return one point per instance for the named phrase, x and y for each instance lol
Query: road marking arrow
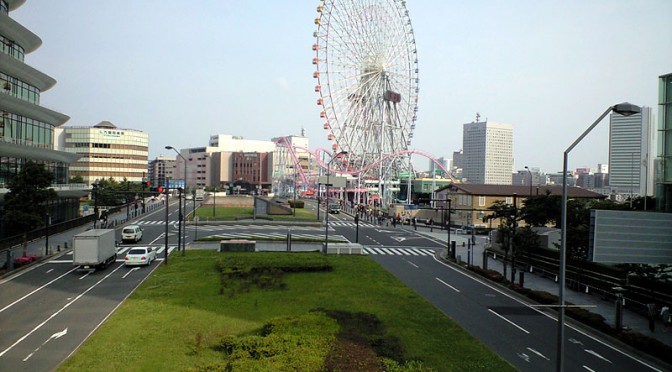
(53, 337)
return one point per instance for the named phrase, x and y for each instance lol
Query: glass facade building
(26, 128)
(664, 163)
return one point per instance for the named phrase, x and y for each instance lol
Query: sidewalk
(62, 241)
(607, 308)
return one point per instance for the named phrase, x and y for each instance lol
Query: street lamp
(94, 185)
(294, 187)
(625, 109)
(185, 193)
(326, 209)
(530, 173)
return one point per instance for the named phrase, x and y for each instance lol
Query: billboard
(630, 237)
(335, 181)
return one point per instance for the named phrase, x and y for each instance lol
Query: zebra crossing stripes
(155, 223)
(350, 224)
(389, 251)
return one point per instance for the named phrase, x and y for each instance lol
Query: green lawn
(193, 314)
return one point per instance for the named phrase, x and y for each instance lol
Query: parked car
(140, 256)
(131, 233)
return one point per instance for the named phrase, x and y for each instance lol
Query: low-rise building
(470, 202)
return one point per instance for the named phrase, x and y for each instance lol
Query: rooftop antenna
(478, 116)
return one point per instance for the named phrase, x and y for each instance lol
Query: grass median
(278, 311)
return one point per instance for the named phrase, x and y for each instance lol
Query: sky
(183, 70)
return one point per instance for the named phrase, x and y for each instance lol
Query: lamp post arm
(571, 147)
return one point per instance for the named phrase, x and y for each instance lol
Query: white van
(131, 233)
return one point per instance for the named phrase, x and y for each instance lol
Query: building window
(481, 201)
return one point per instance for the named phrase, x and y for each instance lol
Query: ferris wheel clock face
(366, 73)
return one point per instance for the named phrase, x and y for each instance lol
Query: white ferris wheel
(366, 69)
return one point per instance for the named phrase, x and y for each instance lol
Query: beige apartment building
(106, 152)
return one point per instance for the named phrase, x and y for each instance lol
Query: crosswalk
(156, 223)
(380, 250)
(351, 224)
(396, 251)
(263, 227)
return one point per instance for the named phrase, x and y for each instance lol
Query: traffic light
(160, 189)
(147, 184)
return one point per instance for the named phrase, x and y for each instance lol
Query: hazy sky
(183, 70)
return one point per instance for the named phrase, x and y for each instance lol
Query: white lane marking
(58, 312)
(412, 264)
(586, 368)
(35, 290)
(538, 353)
(642, 362)
(448, 285)
(524, 357)
(598, 355)
(48, 271)
(510, 322)
(85, 275)
(129, 272)
(575, 341)
(53, 337)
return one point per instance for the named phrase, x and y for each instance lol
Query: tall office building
(161, 169)
(664, 161)
(487, 153)
(631, 153)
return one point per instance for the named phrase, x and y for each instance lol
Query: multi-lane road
(48, 311)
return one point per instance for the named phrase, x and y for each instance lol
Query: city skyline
(548, 70)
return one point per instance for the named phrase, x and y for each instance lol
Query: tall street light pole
(625, 109)
(165, 239)
(294, 187)
(530, 173)
(326, 209)
(181, 217)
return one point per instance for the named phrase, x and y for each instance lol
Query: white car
(131, 233)
(140, 256)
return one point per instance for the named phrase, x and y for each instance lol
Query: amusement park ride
(366, 73)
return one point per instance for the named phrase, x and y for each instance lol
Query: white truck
(200, 194)
(94, 249)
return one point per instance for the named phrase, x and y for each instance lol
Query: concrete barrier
(345, 248)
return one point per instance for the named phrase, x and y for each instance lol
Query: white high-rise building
(487, 153)
(631, 153)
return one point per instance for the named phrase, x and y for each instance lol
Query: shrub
(299, 204)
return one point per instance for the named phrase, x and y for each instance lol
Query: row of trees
(545, 210)
(27, 202)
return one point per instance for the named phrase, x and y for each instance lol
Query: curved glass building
(26, 128)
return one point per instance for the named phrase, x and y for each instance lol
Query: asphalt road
(47, 312)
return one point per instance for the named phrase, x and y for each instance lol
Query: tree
(26, 202)
(527, 239)
(508, 217)
(541, 210)
(76, 179)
